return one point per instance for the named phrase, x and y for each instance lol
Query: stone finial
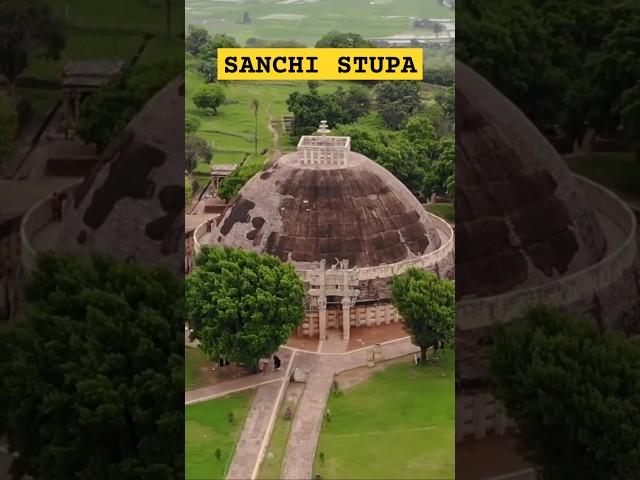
(324, 128)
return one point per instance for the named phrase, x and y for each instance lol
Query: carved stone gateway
(338, 281)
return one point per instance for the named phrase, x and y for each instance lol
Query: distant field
(207, 428)
(442, 210)
(232, 128)
(308, 20)
(398, 424)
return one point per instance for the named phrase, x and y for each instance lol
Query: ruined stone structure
(529, 232)
(132, 204)
(325, 205)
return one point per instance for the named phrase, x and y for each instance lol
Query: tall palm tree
(255, 106)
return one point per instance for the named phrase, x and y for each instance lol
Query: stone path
(255, 430)
(243, 383)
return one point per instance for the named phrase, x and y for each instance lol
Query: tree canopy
(196, 149)
(196, 39)
(232, 184)
(92, 377)
(397, 101)
(27, 26)
(106, 114)
(335, 39)
(209, 98)
(574, 393)
(427, 306)
(242, 305)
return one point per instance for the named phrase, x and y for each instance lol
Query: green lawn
(446, 211)
(232, 128)
(307, 21)
(207, 428)
(161, 48)
(398, 424)
(618, 171)
(271, 468)
(194, 359)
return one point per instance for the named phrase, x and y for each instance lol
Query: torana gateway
(345, 223)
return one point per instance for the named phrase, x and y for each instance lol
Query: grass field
(307, 21)
(442, 210)
(397, 424)
(232, 129)
(207, 428)
(194, 359)
(618, 171)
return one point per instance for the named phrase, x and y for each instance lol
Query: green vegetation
(574, 393)
(271, 467)
(618, 171)
(194, 360)
(406, 433)
(87, 352)
(242, 305)
(442, 210)
(207, 428)
(427, 306)
(307, 22)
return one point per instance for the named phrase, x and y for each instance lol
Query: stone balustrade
(484, 312)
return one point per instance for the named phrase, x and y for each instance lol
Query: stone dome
(521, 220)
(132, 205)
(351, 208)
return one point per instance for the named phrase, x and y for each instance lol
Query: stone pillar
(346, 318)
(322, 318)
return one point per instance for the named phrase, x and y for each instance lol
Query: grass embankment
(207, 428)
(398, 424)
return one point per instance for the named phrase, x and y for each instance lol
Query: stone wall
(382, 313)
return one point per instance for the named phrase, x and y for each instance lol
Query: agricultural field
(397, 424)
(207, 428)
(306, 21)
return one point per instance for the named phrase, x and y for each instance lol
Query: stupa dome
(325, 202)
(521, 218)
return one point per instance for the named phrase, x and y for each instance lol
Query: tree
(242, 305)
(92, 377)
(196, 39)
(196, 149)
(191, 124)
(232, 184)
(8, 120)
(310, 108)
(427, 306)
(255, 106)
(208, 67)
(220, 40)
(209, 98)
(355, 102)
(437, 29)
(27, 26)
(574, 393)
(397, 101)
(105, 114)
(335, 39)
(246, 18)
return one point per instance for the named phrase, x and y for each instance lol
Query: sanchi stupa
(345, 223)
(528, 232)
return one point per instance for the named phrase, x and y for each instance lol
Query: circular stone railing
(383, 271)
(486, 311)
(37, 219)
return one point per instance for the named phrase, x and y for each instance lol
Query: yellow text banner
(320, 64)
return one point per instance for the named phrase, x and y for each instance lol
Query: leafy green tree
(232, 184)
(196, 149)
(440, 171)
(310, 108)
(208, 67)
(196, 38)
(209, 98)
(355, 102)
(8, 121)
(27, 26)
(427, 306)
(574, 393)
(397, 101)
(106, 114)
(191, 124)
(243, 305)
(92, 377)
(220, 40)
(335, 39)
